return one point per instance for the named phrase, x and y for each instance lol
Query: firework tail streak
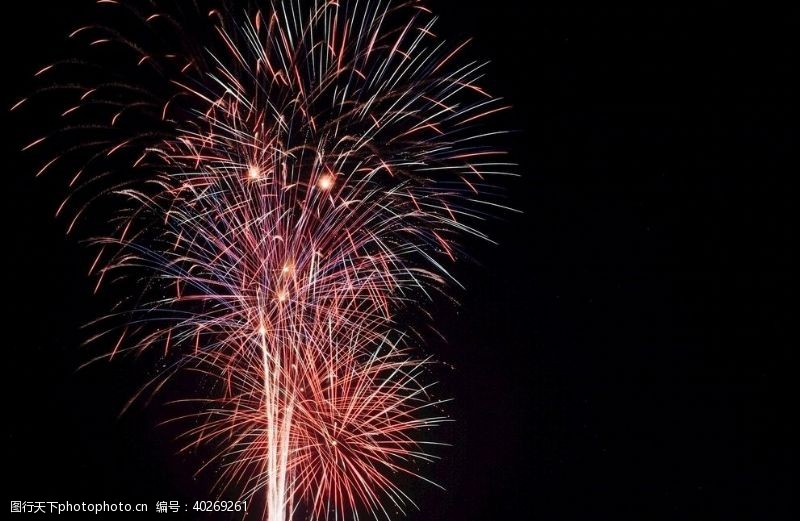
(287, 180)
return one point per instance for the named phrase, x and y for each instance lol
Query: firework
(286, 181)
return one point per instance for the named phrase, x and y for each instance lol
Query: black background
(622, 354)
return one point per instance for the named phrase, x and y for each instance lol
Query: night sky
(623, 352)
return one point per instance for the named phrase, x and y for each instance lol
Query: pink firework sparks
(287, 181)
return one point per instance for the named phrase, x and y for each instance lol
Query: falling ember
(287, 183)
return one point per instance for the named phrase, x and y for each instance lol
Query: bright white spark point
(326, 182)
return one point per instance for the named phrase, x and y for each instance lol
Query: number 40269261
(220, 506)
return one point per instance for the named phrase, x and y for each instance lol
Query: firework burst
(284, 181)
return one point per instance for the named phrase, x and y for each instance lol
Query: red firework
(290, 186)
